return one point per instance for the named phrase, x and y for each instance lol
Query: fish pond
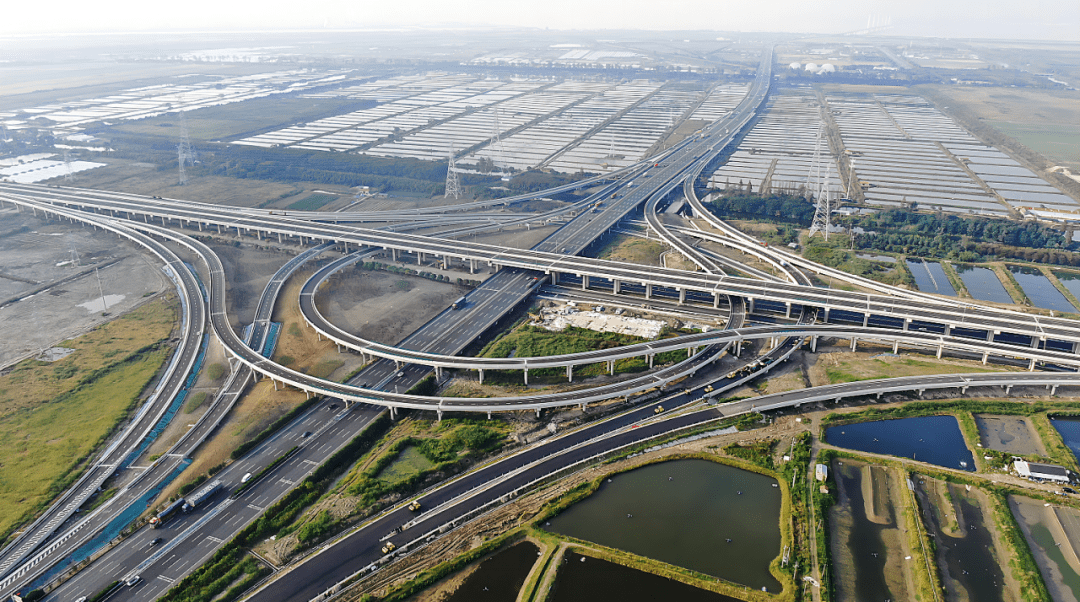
(930, 277)
(1040, 290)
(585, 579)
(704, 516)
(499, 577)
(933, 439)
(983, 284)
(1069, 427)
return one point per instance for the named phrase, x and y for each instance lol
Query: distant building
(821, 472)
(1044, 472)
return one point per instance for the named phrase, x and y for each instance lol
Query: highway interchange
(800, 312)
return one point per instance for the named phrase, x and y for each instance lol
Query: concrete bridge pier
(1053, 390)
(826, 318)
(526, 371)
(1008, 389)
(921, 391)
(438, 373)
(481, 371)
(570, 374)
(907, 324)
(489, 414)
(275, 384)
(616, 287)
(948, 329)
(439, 413)
(738, 348)
(584, 406)
(584, 282)
(611, 367)
(1035, 342)
(895, 347)
(393, 413)
(472, 266)
(813, 344)
(749, 305)
(854, 343)
(393, 254)
(985, 356)
(419, 258)
(865, 320)
(990, 336)
(1031, 365)
(963, 390)
(648, 291)
(939, 350)
(787, 308)
(278, 234)
(651, 356)
(537, 412)
(879, 395)
(716, 300)
(554, 278)
(682, 296)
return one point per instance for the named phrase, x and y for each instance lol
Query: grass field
(846, 370)
(633, 250)
(312, 202)
(407, 463)
(1060, 143)
(53, 415)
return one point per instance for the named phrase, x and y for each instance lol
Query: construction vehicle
(414, 506)
(658, 409)
(389, 547)
(708, 388)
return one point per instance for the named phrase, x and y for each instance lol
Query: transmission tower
(813, 177)
(184, 151)
(496, 142)
(453, 186)
(823, 208)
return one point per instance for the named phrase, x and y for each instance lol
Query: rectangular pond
(1070, 280)
(586, 579)
(933, 439)
(1040, 290)
(1051, 534)
(966, 553)
(696, 514)
(930, 277)
(1069, 428)
(982, 283)
(499, 577)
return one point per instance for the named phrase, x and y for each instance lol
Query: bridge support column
(749, 305)
(555, 278)
(611, 367)
(990, 335)
(419, 258)
(1034, 342)
(963, 390)
(985, 357)
(826, 318)
(651, 356)
(716, 300)
(787, 309)
(895, 347)
(526, 376)
(921, 391)
(584, 406)
(907, 324)
(145, 219)
(1031, 365)
(948, 330)
(584, 282)
(393, 254)
(275, 383)
(481, 371)
(615, 286)
(1008, 389)
(472, 266)
(813, 344)
(537, 412)
(682, 296)
(338, 346)
(648, 291)
(439, 413)
(865, 320)
(879, 395)
(278, 235)
(569, 373)
(259, 234)
(393, 413)
(1053, 390)
(738, 348)
(307, 394)
(438, 373)
(854, 343)
(489, 414)
(939, 349)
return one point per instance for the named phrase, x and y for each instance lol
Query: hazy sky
(1031, 19)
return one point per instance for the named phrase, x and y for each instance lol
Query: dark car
(306, 434)
(1068, 490)
(155, 541)
(333, 406)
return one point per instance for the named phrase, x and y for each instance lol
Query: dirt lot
(248, 270)
(34, 255)
(382, 306)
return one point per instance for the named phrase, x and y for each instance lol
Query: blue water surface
(933, 439)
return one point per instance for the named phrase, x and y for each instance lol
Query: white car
(132, 580)
(245, 478)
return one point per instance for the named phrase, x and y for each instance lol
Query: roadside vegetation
(54, 416)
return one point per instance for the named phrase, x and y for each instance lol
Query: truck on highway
(458, 304)
(200, 496)
(167, 513)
